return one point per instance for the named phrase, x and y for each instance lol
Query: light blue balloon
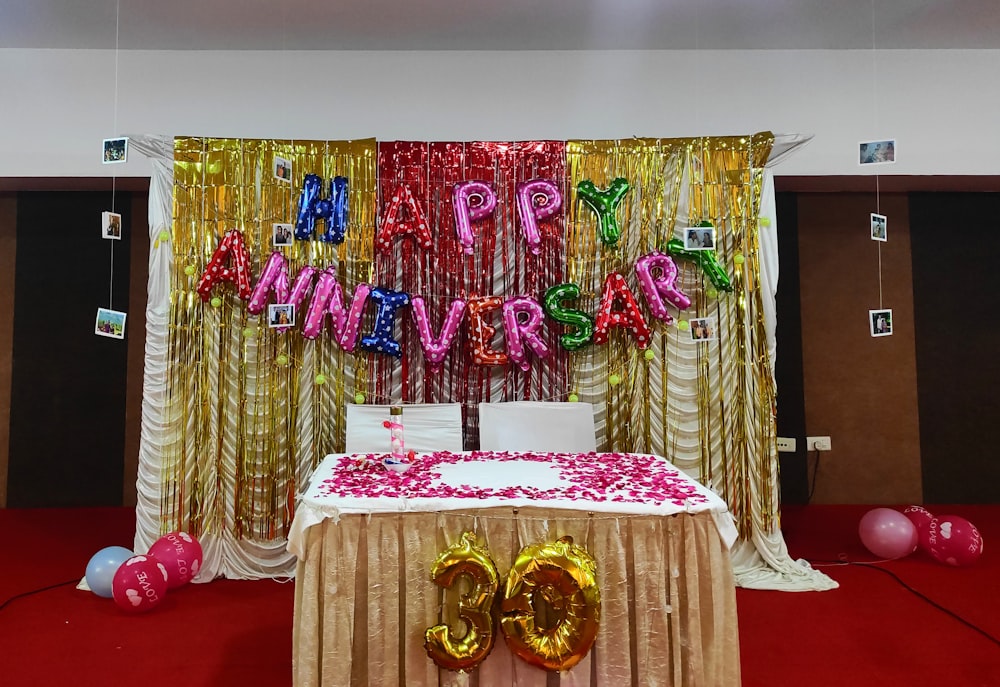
(102, 568)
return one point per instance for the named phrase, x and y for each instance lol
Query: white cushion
(537, 426)
(426, 427)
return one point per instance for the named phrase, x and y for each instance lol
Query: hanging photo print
(282, 170)
(703, 329)
(879, 228)
(115, 150)
(111, 225)
(877, 152)
(282, 315)
(110, 323)
(281, 235)
(880, 322)
(699, 238)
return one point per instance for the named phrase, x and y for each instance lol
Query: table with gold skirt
(364, 595)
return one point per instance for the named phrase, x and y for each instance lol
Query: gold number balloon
(552, 606)
(476, 606)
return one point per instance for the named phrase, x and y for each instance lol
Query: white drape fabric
(225, 555)
(426, 427)
(537, 426)
(761, 561)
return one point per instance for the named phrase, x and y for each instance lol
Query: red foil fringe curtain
(500, 265)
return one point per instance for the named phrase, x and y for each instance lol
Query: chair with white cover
(537, 426)
(426, 427)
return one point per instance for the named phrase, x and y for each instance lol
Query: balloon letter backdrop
(500, 271)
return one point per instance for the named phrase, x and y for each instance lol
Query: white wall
(941, 106)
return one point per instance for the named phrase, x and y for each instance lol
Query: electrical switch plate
(818, 443)
(786, 445)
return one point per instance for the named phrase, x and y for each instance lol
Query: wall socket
(786, 445)
(818, 443)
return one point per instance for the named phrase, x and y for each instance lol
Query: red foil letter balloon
(619, 309)
(481, 331)
(217, 270)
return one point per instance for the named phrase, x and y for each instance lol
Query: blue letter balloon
(102, 568)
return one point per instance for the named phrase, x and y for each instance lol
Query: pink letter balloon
(140, 584)
(466, 213)
(181, 556)
(887, 533)
(952, 540)
(536, 200)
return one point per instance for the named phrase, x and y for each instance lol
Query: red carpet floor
(871, 631)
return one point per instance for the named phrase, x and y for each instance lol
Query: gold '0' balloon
(476, 607)
(552, 606)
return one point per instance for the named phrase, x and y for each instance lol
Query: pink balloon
(550, 200)
(952, 540)
(140, 584)
(328, 299)
(436, 348)
(662, 286)
(466, 214)
(181, 556)
(523, 332)
(273, 277)
(919, 516)
(887, 533)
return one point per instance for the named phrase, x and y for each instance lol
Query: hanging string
(878, 203)
(114, 178)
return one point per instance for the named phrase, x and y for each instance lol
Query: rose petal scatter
(605, 477)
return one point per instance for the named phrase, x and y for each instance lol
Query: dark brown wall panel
(139, 280)
(67, 414)
(859, 390)
(956, 244)
(8, 250)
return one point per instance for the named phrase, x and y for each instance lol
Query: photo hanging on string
(110, 323)
(281, 234)
(115, 151)
(111, 226)
(879, 227)
(880, 322)
(281, 315)
(282, 169)
(699, 238)
(877, 152)
(703, 329)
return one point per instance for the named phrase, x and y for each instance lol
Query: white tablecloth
(444, 481)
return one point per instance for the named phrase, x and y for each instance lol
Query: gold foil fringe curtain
(253, 420)
(254, 410)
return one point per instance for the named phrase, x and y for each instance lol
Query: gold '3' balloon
(552, 604)
(476, 606)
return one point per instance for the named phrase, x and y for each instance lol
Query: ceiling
(500, 24)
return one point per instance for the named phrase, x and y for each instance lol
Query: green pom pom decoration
(573, 398)
(164, 236)
(216, 302)
(281, 359)
(711, 293)
(614, 380)
(684, 325)
(738, 259)
(359, 398)
(189, 270)
(248, 332)
(649, 355)
(321, 379)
